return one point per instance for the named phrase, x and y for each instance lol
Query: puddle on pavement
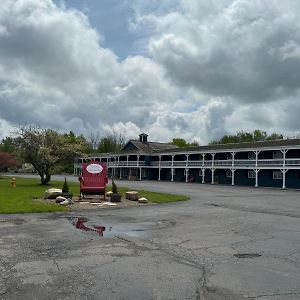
(246, 255)
(133, 230)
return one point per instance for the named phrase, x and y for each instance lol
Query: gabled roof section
(149, 147)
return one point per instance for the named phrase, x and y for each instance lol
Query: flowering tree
(7, 160)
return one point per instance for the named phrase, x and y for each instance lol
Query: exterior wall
(244, 161)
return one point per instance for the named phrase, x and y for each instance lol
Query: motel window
(228, 173)
(251, 174)
(277, 175)
(277, 154)
(134, 172)
(125, 172)
(251, 155)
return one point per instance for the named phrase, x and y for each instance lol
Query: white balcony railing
(289, 162)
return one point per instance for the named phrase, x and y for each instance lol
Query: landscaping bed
(27, 196)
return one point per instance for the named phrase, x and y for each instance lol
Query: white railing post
(127, 160)
(203, 158)
(137, 160)
(173, 161)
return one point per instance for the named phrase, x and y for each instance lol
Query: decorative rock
(132, 195)
(143, 200)
(52, 193)
(65, 203)
(108, 194)
(60, 199)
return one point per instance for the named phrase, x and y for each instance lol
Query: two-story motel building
(269, 163)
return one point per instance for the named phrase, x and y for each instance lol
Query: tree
(44, 149)
(183, 143)
(7, 160)
(7, 145)
(241, 137)
(111, 143)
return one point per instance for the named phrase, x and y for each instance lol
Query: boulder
(52, 193)
(65, 203)
(60, 199)
(132, 195)
(143, 200)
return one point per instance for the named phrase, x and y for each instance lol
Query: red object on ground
(94, 179)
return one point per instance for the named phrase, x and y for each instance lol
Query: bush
(65, 188)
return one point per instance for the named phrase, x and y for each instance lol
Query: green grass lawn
(23, 198)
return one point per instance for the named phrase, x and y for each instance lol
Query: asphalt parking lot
(225, 243)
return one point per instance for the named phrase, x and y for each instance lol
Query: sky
(194, 69)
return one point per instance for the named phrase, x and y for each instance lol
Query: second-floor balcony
(238, 163)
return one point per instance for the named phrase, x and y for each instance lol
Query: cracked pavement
(179, 250)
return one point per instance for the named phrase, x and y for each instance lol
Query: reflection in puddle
(134, 230)
(78, 222)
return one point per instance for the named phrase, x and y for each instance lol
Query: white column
(203, 158)
(212, 176)
(232, 176)
(137, 160)
(213, 159)
(203, 175)
(256, 177)
(159, 161)
(256, 157)
(283, 177)
(120, 173)
(172, 174)
(284, 151)
(173, 160)
(232, 158)
(186, 174)
(140, 173)
(127, 159)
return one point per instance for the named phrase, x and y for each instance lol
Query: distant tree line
(242, 136)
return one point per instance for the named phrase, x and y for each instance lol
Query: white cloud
(209, 66)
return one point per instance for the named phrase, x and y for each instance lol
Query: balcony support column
(213, 159)
(232, 158)
(232, 176)
(256, 176)
(212, 175)
(256, 152)
(187, 175)
(203, 159)
(140, 173)
(137, 160)
(283, 177)
(127, 160)
(172, 174)
(284, 151)
(203, 175)
(159, 162)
